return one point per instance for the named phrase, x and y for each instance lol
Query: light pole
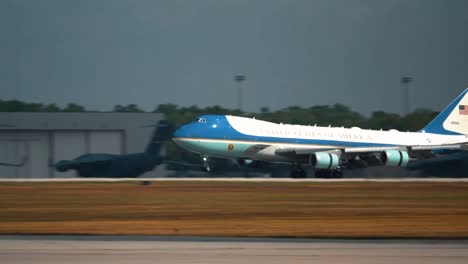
(239, 79)
(405, 82)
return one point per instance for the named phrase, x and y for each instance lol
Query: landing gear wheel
(298, 172)
(337, 174)
(319, 174)
(302, 174)
(323, 174)
(328, 174)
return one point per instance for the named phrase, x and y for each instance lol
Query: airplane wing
(361, 157)
(20, 164)
(358, 150)
(447, 165)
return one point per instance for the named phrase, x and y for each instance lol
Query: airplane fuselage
(240, 137)
(116, 166)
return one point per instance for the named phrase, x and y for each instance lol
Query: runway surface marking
(17, 250)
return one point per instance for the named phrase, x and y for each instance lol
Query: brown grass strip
(344, 209)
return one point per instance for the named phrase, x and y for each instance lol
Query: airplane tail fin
(162, 133)
(453, 120)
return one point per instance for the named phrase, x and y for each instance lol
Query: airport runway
(177, 250)
(234, 179)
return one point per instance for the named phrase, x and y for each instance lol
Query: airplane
(121, 166)
(329, 150)
(453, 164)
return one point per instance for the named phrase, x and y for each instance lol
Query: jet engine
(395, 158)
(324, 160)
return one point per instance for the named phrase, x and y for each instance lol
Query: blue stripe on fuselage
(218, 127)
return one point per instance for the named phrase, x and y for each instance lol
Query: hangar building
(30, 143)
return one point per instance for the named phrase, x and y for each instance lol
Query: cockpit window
(200, 120)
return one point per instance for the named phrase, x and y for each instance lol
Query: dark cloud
(102, 53)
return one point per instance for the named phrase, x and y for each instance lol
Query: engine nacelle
(325, 160)
(395, 158)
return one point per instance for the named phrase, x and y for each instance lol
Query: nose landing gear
(206, 165)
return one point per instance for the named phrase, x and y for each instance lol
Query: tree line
(322, 115)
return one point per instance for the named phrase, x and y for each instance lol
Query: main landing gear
(298, 172)
(329, 174)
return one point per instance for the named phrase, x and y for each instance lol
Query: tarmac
(179, 250)
(237, 179)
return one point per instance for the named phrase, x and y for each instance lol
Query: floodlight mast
(405, 82)
(239, 79)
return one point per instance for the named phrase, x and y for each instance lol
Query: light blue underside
(229, 149)
(223, 149)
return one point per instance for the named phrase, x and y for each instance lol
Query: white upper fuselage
(339, 135)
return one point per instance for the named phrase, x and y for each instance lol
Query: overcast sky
(99, 53)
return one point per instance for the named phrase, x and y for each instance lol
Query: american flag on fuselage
(463, 109)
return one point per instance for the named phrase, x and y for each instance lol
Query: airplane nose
(182, 138)
(63, 165)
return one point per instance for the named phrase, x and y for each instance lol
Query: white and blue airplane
(328, 150)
